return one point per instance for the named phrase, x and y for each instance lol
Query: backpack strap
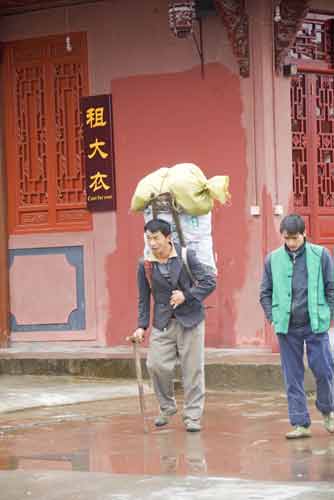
(184, 255)
(148, 268)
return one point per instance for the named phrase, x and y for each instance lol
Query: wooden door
(312, 109)
(43, 83)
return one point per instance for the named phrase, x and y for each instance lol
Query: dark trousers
(321, 363)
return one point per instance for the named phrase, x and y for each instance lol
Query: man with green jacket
(297, 296)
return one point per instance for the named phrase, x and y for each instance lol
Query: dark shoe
(192, 425)
(161, 420)
(299, 432)
(164, 417)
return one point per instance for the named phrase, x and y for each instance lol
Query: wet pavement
(80, 486)
(97, 449)
(243, 437)
(31, 391)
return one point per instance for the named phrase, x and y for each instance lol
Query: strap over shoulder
(184, 255)
(148, 268)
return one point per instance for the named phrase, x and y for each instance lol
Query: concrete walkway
(37, 350)
(30, 391)
(243, 435)
(81, 486)
(93, 446)
(79, 435)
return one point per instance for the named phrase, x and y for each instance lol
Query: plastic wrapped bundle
(196, 230)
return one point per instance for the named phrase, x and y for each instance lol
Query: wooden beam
(12, 7)
(293, 13)
(235, 19)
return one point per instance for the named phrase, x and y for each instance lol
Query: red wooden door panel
(312, 109)
(45, 168)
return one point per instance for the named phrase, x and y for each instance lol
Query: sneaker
(163, 418)
(192, 425)
(299, 432)
(329, 422)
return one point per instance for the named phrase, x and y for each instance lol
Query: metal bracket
(199, 45)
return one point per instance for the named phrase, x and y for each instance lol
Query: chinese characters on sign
(96, 113)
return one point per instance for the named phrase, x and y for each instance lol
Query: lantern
(181, 17)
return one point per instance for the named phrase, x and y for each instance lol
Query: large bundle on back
(192, 191)
(183, 196)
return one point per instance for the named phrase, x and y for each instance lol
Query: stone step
(224, 368)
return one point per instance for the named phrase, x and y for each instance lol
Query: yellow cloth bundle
(192, 191)
(148, 188)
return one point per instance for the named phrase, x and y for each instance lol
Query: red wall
(167, 119)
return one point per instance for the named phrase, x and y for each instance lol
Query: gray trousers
(166, 346)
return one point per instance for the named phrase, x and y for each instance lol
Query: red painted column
(4, 281)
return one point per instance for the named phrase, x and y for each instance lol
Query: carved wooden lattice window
(315, 41)
(44, 153)
(324, 97)
(312, 123)
(299, 142)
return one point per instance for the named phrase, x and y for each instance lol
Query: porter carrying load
(183, 197)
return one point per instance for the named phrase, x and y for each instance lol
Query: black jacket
(188, 314)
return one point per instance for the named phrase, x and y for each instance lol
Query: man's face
(158, 243)
(293, 241)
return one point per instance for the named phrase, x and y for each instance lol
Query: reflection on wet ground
(243, 437)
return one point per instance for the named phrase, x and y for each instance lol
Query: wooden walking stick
(139, 376)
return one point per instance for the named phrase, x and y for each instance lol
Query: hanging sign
(97, 125)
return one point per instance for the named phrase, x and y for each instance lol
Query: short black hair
(156, 225)
(292, 224)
